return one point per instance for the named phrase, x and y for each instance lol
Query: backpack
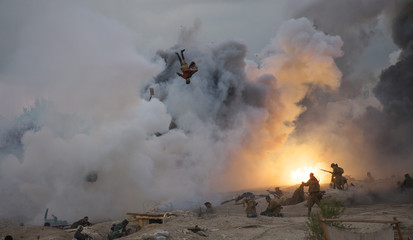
(315, 186)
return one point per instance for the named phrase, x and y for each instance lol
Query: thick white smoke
(90, 143)
(92, 119)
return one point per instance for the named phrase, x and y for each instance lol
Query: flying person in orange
(187, 72)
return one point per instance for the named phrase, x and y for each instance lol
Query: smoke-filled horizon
(79, 135)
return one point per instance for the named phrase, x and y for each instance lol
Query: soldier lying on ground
(241, 197)
(82, 222)
(277, 193)
(209, 210)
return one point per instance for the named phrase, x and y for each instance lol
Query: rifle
(227, 201)
(326, 171)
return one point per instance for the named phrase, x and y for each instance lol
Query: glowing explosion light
(302, 174)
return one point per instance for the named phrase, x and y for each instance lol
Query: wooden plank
(147, 218)
(395, 222)
(398, 229)
(360, 220)
(152, 214)
(323, 225)
(147, 214)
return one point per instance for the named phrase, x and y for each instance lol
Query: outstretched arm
(193, 66)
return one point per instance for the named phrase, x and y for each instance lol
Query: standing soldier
(407, 182)
(314, 192)
(337, 176)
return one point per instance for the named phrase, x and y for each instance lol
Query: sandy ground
(231, 222)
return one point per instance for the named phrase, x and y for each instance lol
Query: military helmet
(311, 174)
(125, 221)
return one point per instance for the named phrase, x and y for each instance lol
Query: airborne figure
(187, 72)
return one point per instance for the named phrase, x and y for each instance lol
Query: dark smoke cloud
(372, 126)
(402, 27)
(354, 21)
(391, 130)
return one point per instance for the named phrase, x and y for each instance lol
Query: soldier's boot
(182, 54)
(179, 58)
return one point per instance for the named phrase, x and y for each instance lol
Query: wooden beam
(147, 218)
(395, 222)
(147, 214)
(398, 229)
(323, 225)
(360, 220)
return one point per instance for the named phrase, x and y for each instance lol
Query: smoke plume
(79, 135)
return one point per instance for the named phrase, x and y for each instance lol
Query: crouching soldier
(119, 230)
(251, 203)
(79, 235)
(273, 208)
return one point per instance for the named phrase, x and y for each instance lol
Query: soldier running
(314, 191)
